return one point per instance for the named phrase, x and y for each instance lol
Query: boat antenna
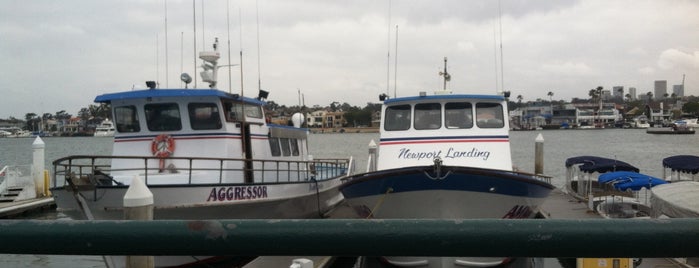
(194, 22)
(502, 65)
(166, 58)
(445, 74)
(182, 55)
(388, 50)
(228, 24)
(495, 57)
(395, 67)
(240, 31)
(257, 18)
(157, 58)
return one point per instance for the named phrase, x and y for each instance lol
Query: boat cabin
(203, 123)
(460, 130)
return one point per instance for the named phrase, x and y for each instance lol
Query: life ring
(163, 146)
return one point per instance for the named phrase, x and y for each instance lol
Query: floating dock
(13, 209)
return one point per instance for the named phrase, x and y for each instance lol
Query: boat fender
(163, 146)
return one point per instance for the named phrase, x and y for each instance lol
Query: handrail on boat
(97, 169)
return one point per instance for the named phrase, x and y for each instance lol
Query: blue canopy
(682, 163)
(591, 164)
(623, 180)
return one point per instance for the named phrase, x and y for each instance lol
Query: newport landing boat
(445, 156)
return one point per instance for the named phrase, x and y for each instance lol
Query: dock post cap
(301, 263)
(372, 144)
(138, 194)
(38, 143)
(539, 138)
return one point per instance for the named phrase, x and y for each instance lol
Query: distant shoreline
(344, 130)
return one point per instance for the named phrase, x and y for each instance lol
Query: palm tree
(649, 96)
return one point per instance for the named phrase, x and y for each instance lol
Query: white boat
(582, 174)
(445, 156)
(641, 121)
(204, 154)
(681, 168)
(679, 199)
(621, 207)
(105, 129)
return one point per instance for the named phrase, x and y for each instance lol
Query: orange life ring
(163, 146)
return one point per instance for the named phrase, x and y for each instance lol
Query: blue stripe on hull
(460, 179)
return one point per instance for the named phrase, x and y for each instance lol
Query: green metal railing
(651, 238)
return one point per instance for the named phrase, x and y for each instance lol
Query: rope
(380, 202)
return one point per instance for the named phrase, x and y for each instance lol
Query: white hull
(292, 200)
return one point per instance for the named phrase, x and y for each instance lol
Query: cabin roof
(155, 93)
(445, 97)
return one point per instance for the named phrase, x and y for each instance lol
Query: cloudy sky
(58, 55)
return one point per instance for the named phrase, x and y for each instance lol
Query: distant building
(632, 93)
(618, 92)
(660, 89)
(678, 90)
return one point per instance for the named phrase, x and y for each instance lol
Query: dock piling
(138, 205)
(38, 165)
(539, 155)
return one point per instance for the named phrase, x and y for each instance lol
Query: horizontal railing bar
(355, 237)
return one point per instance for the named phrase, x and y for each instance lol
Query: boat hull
(451, 193)
(196, 202)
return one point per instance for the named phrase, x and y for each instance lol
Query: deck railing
(98, 170)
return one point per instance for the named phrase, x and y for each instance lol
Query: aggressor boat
(204, 154)
(444, 156)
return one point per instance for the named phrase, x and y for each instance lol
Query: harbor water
(633, 146)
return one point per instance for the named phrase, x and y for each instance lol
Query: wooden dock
(13, 209)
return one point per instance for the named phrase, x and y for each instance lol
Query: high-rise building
(660, 89)
(678, 90)
(632, 92)
(618, 92)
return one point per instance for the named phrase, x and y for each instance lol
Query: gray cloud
(59, 55)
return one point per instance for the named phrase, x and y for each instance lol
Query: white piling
(38, 165)
(138, 205)
(301, 263)
(539, 155)
(371, 166)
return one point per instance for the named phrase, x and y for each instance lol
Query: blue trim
(180, 135)
(461, 179)
(286, 127)
(446, 97)
(157, 93)
(447, 138)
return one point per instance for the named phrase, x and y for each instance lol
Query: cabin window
(286, 151)
(234, 111)
(163, 117)
(458, 115)
(428, 116)
(489, 115)
(294, 147)
(126, 119)
(274, 145)
(204, 116)
(397, 117)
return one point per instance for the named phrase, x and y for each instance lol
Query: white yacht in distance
(105, 129)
